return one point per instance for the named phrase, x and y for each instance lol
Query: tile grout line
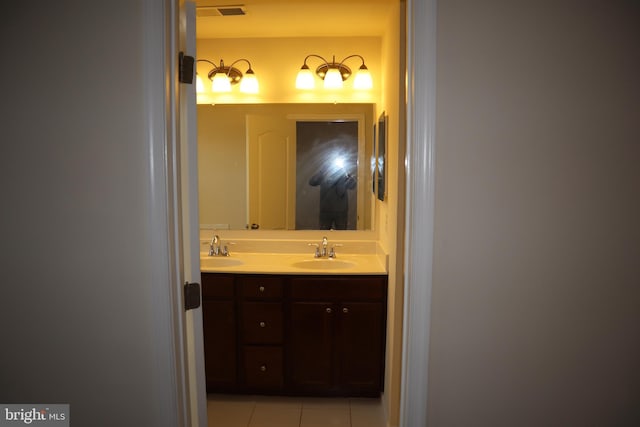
(350, 416)
(253, 411)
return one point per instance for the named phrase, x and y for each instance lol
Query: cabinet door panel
(325, 288)
(311, 345)
(360, 335)
(216, 285)
(219, 344)
(263, 368)
(261, 287)
(262, 322)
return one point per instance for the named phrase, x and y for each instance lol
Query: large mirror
(286, 166)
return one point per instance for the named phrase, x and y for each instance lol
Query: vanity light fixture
(334, 74)
(223, 77)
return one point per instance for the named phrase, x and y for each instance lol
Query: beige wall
(222, 170)
(536, 295)
(389, 213)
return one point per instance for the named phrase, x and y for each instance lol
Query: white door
(271, 158)
(194, 342)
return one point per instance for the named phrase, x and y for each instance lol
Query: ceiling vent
(236, 10)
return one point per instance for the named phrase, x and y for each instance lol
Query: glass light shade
(333, 79)
(199, 84)
(363, 80)
(305, 79)
(221, 83)
(249, 83)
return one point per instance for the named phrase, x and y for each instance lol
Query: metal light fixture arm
(316, 56)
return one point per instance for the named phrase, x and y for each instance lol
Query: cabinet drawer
(263, 367)
(262, 322)
(262, 287)
(339, 288)
(217, 285)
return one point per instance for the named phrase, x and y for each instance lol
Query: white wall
(78, 306)
(536, 296)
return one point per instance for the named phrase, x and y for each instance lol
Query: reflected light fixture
(223, 77)
(334, 74)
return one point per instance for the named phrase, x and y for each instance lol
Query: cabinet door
(360, 332)
(219, 344)
(261, 322)
(311, 346)
(262, 368)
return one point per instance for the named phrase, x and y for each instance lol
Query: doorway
(392, 225)
(326, 175)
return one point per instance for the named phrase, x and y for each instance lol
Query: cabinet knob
(328, 310)
(262, 324)
(261, 288)
(345, 310)
(263, 368)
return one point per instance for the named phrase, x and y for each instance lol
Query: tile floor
(278, 411)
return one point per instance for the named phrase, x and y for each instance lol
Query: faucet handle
(317, 253)
(332, 252)
(225, 249)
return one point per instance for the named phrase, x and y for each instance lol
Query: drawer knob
(328, 310)
(262, 324)
(261, 288)
(345, 310)
(263, 368)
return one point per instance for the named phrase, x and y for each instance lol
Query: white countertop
(293, 263)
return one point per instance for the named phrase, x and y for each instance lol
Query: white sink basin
(323, 264)
(219, 261)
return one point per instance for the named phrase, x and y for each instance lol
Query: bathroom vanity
(297, 334)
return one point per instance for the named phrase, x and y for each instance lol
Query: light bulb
(333, 79)
(199, 84)
(363, 80)
(304, 80)
(249, 82)
(221, 83)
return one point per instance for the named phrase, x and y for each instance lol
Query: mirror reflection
(285, 166)
(326, 175)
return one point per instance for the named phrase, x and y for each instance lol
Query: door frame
(421, 20)
(420, 126)
(190, 224)
(180, 390)
(160, 106)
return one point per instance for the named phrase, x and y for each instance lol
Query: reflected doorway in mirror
(326, 175)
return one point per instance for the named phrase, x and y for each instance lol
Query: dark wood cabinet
(360, 343)
(262, 332)
(311, 346)
(219, 327)
(338, 335)
(290, 334)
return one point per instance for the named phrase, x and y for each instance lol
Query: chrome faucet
(321, 249)
(214, 246)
